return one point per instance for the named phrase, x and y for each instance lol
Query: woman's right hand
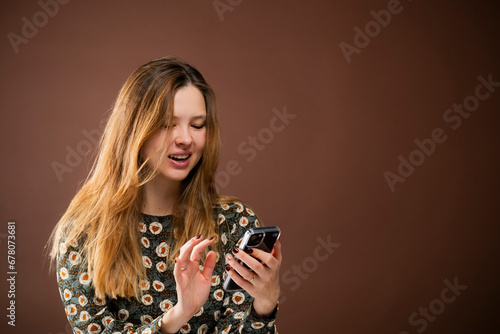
(192, 284)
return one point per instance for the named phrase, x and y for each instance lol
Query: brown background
(322, 176)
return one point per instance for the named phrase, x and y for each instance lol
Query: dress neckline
(147, 215)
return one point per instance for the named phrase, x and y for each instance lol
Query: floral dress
(223, 312)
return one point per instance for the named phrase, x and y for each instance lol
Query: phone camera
(255, 240)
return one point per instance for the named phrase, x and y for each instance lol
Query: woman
(147, 242)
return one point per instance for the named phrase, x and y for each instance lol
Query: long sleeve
(224, 312)
(87, 313)
(237, 314)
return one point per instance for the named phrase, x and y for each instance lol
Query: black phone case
(271, 235)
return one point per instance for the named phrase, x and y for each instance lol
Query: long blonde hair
(105, 213)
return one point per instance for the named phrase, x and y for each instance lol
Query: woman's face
(184, 140)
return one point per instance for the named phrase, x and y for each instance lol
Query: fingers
(182, 261)
(277, 251)
(209, 265)
(257, 259)
(261, 263)
(242, 282)
(199, 248)
(238, 267)
(190, 253)
(249, 260)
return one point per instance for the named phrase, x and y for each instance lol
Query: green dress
(223, 312)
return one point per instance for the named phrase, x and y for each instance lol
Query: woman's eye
(200, 126)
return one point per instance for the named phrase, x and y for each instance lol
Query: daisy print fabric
(224, 312)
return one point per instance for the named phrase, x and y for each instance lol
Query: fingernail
(227, 267)
(236, 250)
(229, 257)
(211, 238)
(248, 250)
(199, 236)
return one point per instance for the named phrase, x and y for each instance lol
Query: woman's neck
(159, 196)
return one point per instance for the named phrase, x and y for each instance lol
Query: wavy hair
(104, 215)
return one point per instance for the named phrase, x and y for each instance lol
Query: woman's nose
(182, 136)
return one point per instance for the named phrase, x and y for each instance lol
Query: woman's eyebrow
(194, 117)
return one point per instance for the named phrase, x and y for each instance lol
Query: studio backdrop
(366, 130)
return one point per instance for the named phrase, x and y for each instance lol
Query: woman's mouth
(179, 160)
(179, 157)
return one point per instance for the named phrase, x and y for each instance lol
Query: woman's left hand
(263, 283)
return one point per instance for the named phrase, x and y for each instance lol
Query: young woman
(147, 242)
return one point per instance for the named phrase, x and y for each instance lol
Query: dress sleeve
(85, 312)
(238, 315)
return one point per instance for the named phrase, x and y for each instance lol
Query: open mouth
(181, 157)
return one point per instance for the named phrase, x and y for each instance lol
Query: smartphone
(263, 238)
